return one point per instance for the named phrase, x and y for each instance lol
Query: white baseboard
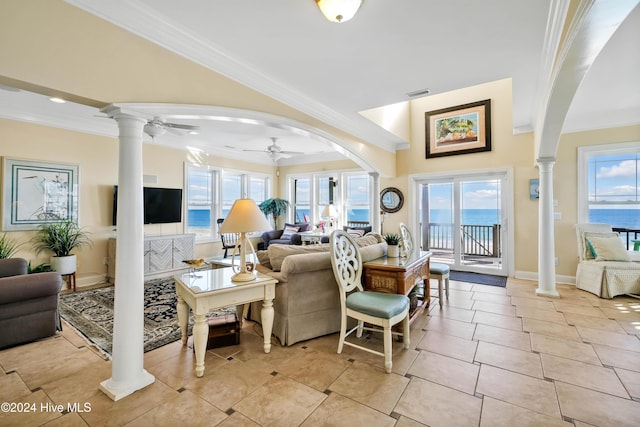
(87, 279)
(533, 275)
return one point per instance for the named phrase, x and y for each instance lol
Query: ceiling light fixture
(339, 10)
(154, 130)
(57, 100)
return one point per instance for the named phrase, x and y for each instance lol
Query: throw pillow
(609, 248)
(263, 258)
(587, 251)
(289, 231)
(367, 240)
(355, 232)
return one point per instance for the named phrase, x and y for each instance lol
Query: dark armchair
(28, 303)
(229, 240)
(275, 236)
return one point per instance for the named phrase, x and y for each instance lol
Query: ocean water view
(200, 218)
(623, 218)
(617, 218)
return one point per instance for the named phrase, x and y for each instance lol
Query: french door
(463, 221)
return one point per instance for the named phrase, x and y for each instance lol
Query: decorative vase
(393, 251)
(64, 264)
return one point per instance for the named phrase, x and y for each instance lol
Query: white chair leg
(360, 329)
(406, 340)
(388, 349)
(440, 280)
(446, 285)
(343, 333)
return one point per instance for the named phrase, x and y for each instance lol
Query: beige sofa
(307, 302)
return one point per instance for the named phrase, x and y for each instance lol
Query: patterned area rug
(91, 314)
(481, 279)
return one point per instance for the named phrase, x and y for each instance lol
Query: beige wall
(507, 151)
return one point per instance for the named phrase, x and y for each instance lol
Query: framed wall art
(37, 192)
(461, 129)
(534, 188)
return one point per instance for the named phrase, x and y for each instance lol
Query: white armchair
(605, 268)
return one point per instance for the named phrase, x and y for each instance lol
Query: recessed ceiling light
(419, 93)
(193, 132)
(57, 100)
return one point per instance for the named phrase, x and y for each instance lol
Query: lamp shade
(244, 216)
(339, 10)
(329, 211)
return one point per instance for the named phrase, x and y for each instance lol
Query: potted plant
(8, 246)
(61, 238)
(274, 207)
(393, 240)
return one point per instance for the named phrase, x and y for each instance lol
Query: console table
(206, 290)
(399, 276)
(163, 255)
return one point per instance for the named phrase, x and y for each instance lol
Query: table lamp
(330, 213)
(244, 217)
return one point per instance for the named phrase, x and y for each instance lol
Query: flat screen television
(160, 205)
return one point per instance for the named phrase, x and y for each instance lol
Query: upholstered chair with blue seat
(375, 308)
(440, 272)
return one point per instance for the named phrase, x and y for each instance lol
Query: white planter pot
(393, 251)
(64, 264)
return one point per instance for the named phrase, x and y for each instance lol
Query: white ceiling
(287, 50)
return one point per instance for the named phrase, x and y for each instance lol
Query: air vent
(420, 92)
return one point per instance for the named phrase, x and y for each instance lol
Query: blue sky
(475, 195)
(614, 179)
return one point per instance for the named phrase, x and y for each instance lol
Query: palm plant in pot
(274, 207)
(61, 238)
(8, 246)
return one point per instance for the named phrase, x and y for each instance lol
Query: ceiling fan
(157, 127)
(274, 151)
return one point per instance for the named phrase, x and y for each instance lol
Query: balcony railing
(628, 235)
(477, 240)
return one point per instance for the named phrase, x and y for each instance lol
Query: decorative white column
(374, 184)
(127, 372)
(546, 232)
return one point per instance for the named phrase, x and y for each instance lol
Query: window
(347, 191)
(258, 188)
(231, 190)
(357, 198)
(608, 185)
(301, 199)
(211, 193)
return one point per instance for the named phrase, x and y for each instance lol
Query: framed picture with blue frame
(37, 193)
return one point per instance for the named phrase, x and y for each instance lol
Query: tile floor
(490, 357)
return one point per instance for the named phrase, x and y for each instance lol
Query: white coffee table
(207, 290)
(311, 237)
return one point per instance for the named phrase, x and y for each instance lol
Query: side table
(71, 279)
(399, 276)
(206, 290)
